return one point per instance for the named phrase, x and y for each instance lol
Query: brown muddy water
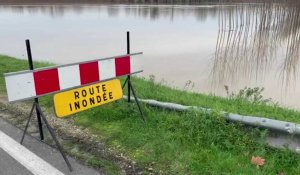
(193, 47)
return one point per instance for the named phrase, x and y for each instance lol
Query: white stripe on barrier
(69, 77)
(136, 64)
(36, 83)
(20, 86)
(107, 69)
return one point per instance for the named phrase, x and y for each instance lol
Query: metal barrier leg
(54, 138)
(29, 118)
(137, 101)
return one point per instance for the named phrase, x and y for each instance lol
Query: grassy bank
(182, 143)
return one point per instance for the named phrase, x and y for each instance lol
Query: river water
(193, 47)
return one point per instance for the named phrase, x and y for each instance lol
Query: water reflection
(252, 39)
(145, 11)
(182, 43)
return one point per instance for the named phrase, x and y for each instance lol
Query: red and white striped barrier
(30, 84)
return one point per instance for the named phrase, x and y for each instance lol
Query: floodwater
(193, 47)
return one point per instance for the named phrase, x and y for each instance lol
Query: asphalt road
(33, 157)
(10, 166)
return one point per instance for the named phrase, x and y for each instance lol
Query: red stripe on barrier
(122, 65)
(89, 73)
(46, 81)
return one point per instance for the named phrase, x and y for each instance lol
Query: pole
(128, 77)
(129, 85)
(137, 101)
(36, 100)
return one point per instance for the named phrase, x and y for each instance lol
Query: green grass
(148, 89)
(110, 168)
(186, 142)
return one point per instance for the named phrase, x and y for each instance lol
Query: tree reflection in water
(253, 37)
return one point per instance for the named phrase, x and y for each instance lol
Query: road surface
(33, 157)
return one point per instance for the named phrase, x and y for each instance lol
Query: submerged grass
(182, 143)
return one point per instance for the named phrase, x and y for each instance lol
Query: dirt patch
(77, 141)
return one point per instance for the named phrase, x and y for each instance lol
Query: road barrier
(96, 82)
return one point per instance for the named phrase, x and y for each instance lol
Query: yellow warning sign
(73, 101)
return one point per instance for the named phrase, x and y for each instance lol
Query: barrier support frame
(130, 86)
(36, 100)
(40, 115)
(36, 106)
